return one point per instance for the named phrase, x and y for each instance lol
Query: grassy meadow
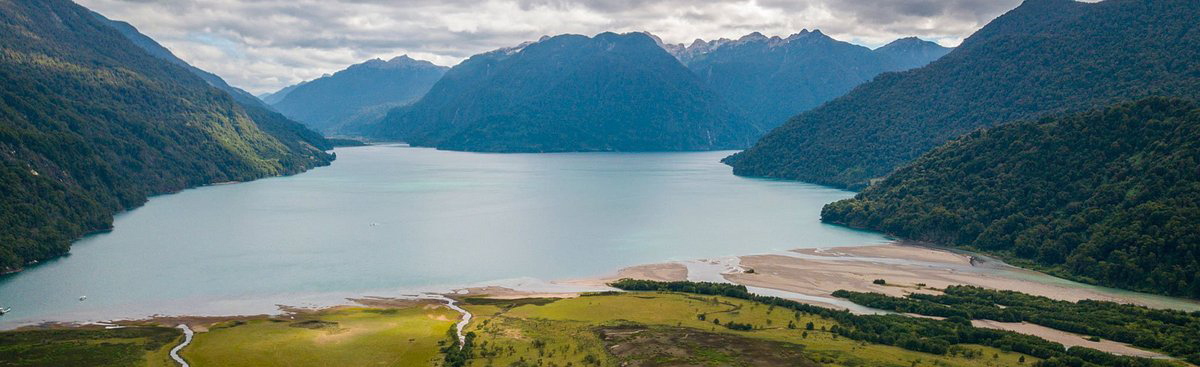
(610, 329)
(590, 330)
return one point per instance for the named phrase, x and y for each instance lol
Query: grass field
(566, 333)
(619, 329)
(93, 346)
(339, 337)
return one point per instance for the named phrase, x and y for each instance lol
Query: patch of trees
(456, 353)
(1171, 331)
(912, 333)
(1110, 196)
(91, 124)
(738, 326)
(1043, 58)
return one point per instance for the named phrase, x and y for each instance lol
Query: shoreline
(808, 275)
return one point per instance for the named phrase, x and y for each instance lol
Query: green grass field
(340, 337)
(618, 329)
(564, 332)
(132, 346)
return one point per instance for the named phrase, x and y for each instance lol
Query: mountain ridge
(359, 94)
(1027, 63)
(570, 93)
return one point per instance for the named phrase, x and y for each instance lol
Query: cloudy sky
(264, 45)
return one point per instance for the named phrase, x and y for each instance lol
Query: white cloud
(264, 45)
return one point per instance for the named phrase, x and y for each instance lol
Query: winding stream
(187, 339)
(453, 305)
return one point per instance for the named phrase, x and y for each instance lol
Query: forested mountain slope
(289, 132)
(772, 79)
(1109, 196)
(1044, 57)
(611, 92)
(361, 94)
(91, 124)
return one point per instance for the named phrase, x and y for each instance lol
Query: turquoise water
(388, 219)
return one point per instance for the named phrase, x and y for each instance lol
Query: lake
(386, 220)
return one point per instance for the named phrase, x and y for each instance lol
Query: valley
(565, 184)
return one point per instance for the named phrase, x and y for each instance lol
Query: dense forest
(361, 94)
(611, 92)
(1044, 57)
(912, 333)
(91, 124)
(1110, 196)
(1168, 330)
(772, 79)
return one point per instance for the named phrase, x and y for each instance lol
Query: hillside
(289, 132)
(91, 124)
(1044, 57)
(772, 79)
(362, 93)
(1109, 197)
(611, 92)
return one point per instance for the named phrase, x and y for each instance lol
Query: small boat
(82, 298)
(4, 310)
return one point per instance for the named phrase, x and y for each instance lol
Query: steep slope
(360, 94)
(90, 124)
(610, 92)
(772, 79)
(154, 49)
(1110, 196)
(290, 133)
(1044, 57)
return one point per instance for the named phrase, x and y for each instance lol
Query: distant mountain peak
(398, 62)
(915, 50)
(402, 58)
(753, 36)
(358, 94)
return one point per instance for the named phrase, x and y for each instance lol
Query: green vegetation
(938, 337)
(611, 92)
(1171, 331)
(407, 336)
(637, 345)
(595, 330)
(1044, 57)
(92, 124)
(1109, 196)
(131, 346)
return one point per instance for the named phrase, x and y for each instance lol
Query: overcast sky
(264, 45)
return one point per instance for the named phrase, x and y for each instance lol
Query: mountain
(91, 124)
(155, 49)
(772, 79)
(1109, 196)
(360, 94)
(1045, 57)
(611, 92)
(279, 95)
(292, 134)
(910, 53)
